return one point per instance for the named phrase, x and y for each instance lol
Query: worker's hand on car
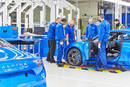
(67, 42)
(99, 45)
(61, 42)
(66, 39)
(75, 38)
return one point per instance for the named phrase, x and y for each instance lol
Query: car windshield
(116, 35)
(5, 44)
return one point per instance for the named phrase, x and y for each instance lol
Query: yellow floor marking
(91, 69)
(66, 66)
(118, 71)
(105, 71)
(78, 68)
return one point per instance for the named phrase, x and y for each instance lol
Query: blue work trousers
(71, 41)
(60, 48)
(101, 61)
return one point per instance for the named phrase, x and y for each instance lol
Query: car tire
(74, 57)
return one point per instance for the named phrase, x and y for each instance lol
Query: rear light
(38, 62)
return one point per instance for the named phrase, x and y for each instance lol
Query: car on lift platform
(20, 69)
(117, 51)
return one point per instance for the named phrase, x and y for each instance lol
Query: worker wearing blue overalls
(70, 32)
(51, 40)
(104, 33)
(92, 29)
(60, 38)
(91, 32)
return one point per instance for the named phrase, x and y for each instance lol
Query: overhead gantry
(7, 7)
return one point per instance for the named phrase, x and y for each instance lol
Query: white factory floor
(62, 77)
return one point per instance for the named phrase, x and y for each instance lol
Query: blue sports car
(19, 69)
(117, 51)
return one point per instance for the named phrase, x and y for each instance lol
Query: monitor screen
(39, 30)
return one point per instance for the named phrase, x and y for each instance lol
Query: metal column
(118, 11)
(126, 16)
(42, 16)
(70, 15)
(31, 16)
(19, 19)
(52, 15)
(5, 14)
(0, 19)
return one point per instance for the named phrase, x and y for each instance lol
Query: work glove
(67, 42)
(99, 44)
(87, 39)
(75, 38)
(66, 39)
(61, 42)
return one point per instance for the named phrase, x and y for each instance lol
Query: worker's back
(104, 30)
(59, 33)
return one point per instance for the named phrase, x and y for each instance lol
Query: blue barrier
(8, 32)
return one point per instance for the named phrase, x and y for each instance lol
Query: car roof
(121, 31)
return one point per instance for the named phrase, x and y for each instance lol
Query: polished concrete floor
(62, 77)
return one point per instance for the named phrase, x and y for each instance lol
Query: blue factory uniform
(104, 33)
(59, 40)
(91, 31)
(70, 32)
(51, 42)
(51, 32)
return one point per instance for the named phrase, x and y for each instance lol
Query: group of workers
(61, 36)
(103, 33)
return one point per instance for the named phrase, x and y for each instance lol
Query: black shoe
(63, 63)
(123, 69)
(52, 61)
(94, 66)
(48, 59)
(99, 69)
(60, 64)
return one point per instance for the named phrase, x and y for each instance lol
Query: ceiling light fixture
(119, 2)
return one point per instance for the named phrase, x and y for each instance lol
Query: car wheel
(74, 57)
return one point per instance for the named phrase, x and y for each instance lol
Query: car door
(125, 50)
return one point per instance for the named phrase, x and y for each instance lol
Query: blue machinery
(8, 32)
(26, 45)
(32, 44)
